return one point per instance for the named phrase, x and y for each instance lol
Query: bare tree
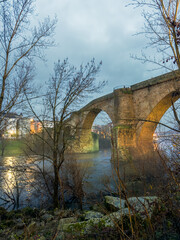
(162, 29)
(19, 45)
(65, 90)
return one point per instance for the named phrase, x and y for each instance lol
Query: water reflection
(8, 175)
(15, 177)
(21, 176)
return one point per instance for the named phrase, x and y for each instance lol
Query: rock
(99, 208)
(88, 226)
(114, 203)
(140, 204)
(92, 214)
(65, 221)
(80, 227)
(47, 217)
(111, 219)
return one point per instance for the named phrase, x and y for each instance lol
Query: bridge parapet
(175, 75)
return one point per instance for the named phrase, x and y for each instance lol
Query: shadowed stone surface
(114, 202)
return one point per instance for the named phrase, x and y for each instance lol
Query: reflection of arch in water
(89, 142)
(148, 127)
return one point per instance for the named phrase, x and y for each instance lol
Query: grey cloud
(102, 29)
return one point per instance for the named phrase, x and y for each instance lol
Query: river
(21, 184)
(18, 182)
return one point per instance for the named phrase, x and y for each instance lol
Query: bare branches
(65, 89)
(19, 45)
(162, 29)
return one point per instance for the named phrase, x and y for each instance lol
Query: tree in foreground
(67, 87)
(19, 45)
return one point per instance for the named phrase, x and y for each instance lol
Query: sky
(104, 30)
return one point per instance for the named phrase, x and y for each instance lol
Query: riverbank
(114, 218)
(12, 147)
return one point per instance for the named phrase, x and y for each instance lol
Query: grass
(13, 147)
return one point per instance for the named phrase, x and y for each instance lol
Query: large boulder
(92, 214)
(114, 203)
(110, 220)
(142, 204)
(86, 227)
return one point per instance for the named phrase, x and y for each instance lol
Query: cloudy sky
(102, 29)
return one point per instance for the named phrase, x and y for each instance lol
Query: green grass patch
(12, 147)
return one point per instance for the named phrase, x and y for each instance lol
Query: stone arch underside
(148, 126)
(86, 141)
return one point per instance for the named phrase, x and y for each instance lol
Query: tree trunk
(56, 182)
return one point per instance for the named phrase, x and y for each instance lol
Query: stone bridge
(134, 111)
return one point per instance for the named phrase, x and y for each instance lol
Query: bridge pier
(124, 130)
(123, 142)
(87, 143)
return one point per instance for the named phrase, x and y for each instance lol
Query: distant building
(103, 131)
(9, 125)
(48, 124)
(24, 126)
(17, 126)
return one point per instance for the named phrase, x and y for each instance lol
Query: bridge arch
(86, 141)
(150, 123)
(135, 113)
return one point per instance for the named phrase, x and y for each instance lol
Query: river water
(21, 186)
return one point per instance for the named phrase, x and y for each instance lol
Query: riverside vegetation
(115, 218)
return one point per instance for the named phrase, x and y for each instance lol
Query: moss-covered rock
(110, 220)
(87, 227)
(92, 214)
